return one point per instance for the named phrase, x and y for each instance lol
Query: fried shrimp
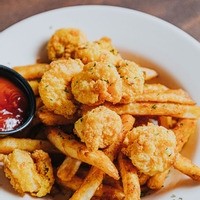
(98, 128)
(63, 43)
(97, 83)
(151, 148)
(55, 89)
(32, 173)
(106, 43)
(132, 80)
(100, 51)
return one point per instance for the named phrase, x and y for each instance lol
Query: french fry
(143, 178)
(149, 89)
(156, 87)
(89, 185)
(107, 180)
(34, 71)
(166, 121)
(95, 176)
(130, 178)
(157, 109)
(156, 182)
(70, 147)
(68, 168)
(109, 192)
(76, 182)
(50, 118)
(186, 166)
(183, 130)
(8, 144)
(34, 85)
(2, 157)
(39, 103)
(173, 96)
(73, 184)
(149, 73)
(128, 122)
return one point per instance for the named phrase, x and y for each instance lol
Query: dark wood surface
(184, 14)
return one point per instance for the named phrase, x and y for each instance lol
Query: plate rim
(115, 8)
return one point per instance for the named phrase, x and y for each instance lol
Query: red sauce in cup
(13, 105)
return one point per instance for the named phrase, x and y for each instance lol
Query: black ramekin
(22, 84)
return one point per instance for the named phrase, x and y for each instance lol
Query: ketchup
(13, 105)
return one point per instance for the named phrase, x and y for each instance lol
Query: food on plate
(97, 83)
(149, 74)
(130, 179)
(95, 176)
(157, 109)
(151, 148)
(171, 96)
(99, 51)
(63, 43)
(31, 173)
(186, 166)
(32, 72)
(98, 128)
(9, 144)
(104, 125)
(34, 85)
(154, 87)
(55, 88)
(50, 118)
(183, 129)
(67, 170)
(103, 191)
(71, 147)
(132, 80)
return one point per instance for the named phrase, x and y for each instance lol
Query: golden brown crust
(100, 51)
(99, 128)
(151, 148)
(55, 89)
(31, 173)
(132, 80)
(97, 83)
(63, 43)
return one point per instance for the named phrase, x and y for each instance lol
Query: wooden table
(185, 14)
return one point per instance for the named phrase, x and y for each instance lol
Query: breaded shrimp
(31, 173)
(151, 148)
(132, 80)
(98, 128)
(100, 51)
(63, 43)
(55, 89)
(97, 83)
(106, 43)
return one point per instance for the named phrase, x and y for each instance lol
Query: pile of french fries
(106, 173)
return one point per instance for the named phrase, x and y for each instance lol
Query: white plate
(135, 34)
